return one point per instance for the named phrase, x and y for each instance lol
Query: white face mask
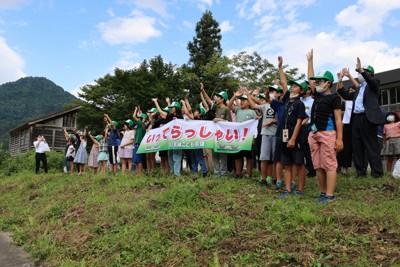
(360, 78)
(293, 95)
(321, 88)
(272, 96)
(390, 118)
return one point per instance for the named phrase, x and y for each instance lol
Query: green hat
(115, 123)
(143, 115)
(261, 96)
(302, 83)
(129, 122)
(166, 109)
(97, 137)
(244, 96)
(368, 68)
(175, 105)
(275, 88)
(202, 111)
(222, 94)
(326, 74)
(153, 110)
(71, 136)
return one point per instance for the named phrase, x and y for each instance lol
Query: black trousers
(41, 157)
(365, 141)
(345, 156)
(305, 147)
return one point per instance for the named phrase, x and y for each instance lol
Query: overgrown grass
(67, 220)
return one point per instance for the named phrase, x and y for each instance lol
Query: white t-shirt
(39, 146)
(70, 151)
(128, 136)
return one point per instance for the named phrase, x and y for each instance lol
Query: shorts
(323, 153)
(137, 158)
(290, 156)
(248, 154)
(103, 156)
(267, 147)
(391, 147)
(112, 154)
(125, 152)
(163, 153)
(70, 158)
(278, 151)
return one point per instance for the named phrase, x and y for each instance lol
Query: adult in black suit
(365, 118)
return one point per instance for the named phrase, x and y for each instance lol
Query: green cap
(153, 110)
(302, 83)
(143, 115)
(244, 96)
(71, 136)
(175, 105)
(275, 88)
(166, 109)
(326, 74)
(368, 68)
(97, 137)
(129, 122)
(261, 96)
(202, 111)
(222, 94)
(115, 123)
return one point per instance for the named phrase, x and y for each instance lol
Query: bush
(26, 163)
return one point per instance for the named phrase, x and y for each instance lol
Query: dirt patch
(12, 255)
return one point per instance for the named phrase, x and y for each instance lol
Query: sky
(75, 42)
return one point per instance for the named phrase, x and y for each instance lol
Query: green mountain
(26, 99)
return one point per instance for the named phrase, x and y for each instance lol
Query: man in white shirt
(40, 145)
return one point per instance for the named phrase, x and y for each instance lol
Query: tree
(205, 44)
(253, 70)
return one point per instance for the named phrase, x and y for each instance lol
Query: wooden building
(50, 126)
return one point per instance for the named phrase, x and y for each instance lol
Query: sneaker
(263, 183)
(293, 186)
(327, 199)
(320, 197)
(299, 193)
(278, 186)
(285, 194)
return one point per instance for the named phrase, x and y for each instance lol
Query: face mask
(293, 95)
(272, 96)
(360, 78)
(390, 118)
(321, 88)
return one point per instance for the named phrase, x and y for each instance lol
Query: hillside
(160, 220)
(29, 98)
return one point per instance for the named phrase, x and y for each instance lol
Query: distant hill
(26, 99)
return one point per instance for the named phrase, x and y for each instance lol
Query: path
(12, 255)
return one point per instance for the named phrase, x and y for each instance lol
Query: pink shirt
(392, 130)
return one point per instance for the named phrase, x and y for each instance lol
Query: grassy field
(67, 220)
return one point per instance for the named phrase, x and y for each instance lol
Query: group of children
(300, 125)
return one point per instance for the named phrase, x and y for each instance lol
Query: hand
(167, 99)
(266, 89)
(201, 86)
(256, 91)
(339, 145)
(239, 92)
(358, 65)
(346, 72)
(310, 55)
(154, 99)
(266, 124)
(340, 75)
(291, 143)
(280, 61)
(90, 133)
(351, 90)
(217, 119)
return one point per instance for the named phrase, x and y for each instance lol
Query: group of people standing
(300, 130)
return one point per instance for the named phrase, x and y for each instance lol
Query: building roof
(45, 118)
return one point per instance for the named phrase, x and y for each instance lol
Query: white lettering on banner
(229, 137)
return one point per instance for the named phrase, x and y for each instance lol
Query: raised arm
(282, 75)
(135, 114)
(92, 138)
(66, 134)
(235, 95)
(204, 93)
(188, 106)
(162, 113)
(168, 100)
(109, 120)
(346, 72)
(310, 69)
(371, 81)
(186, 110)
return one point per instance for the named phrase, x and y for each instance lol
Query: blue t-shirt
(279, 108)
(112, 138)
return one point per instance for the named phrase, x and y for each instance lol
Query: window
(392, 95)
(69, 120)
(384, 96)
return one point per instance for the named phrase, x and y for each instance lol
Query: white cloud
(129, 30)
(5, 4)
(128, 60)
(188, 24)
(226, 26)
(13, 69)
(158, 6)
(366, 17)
